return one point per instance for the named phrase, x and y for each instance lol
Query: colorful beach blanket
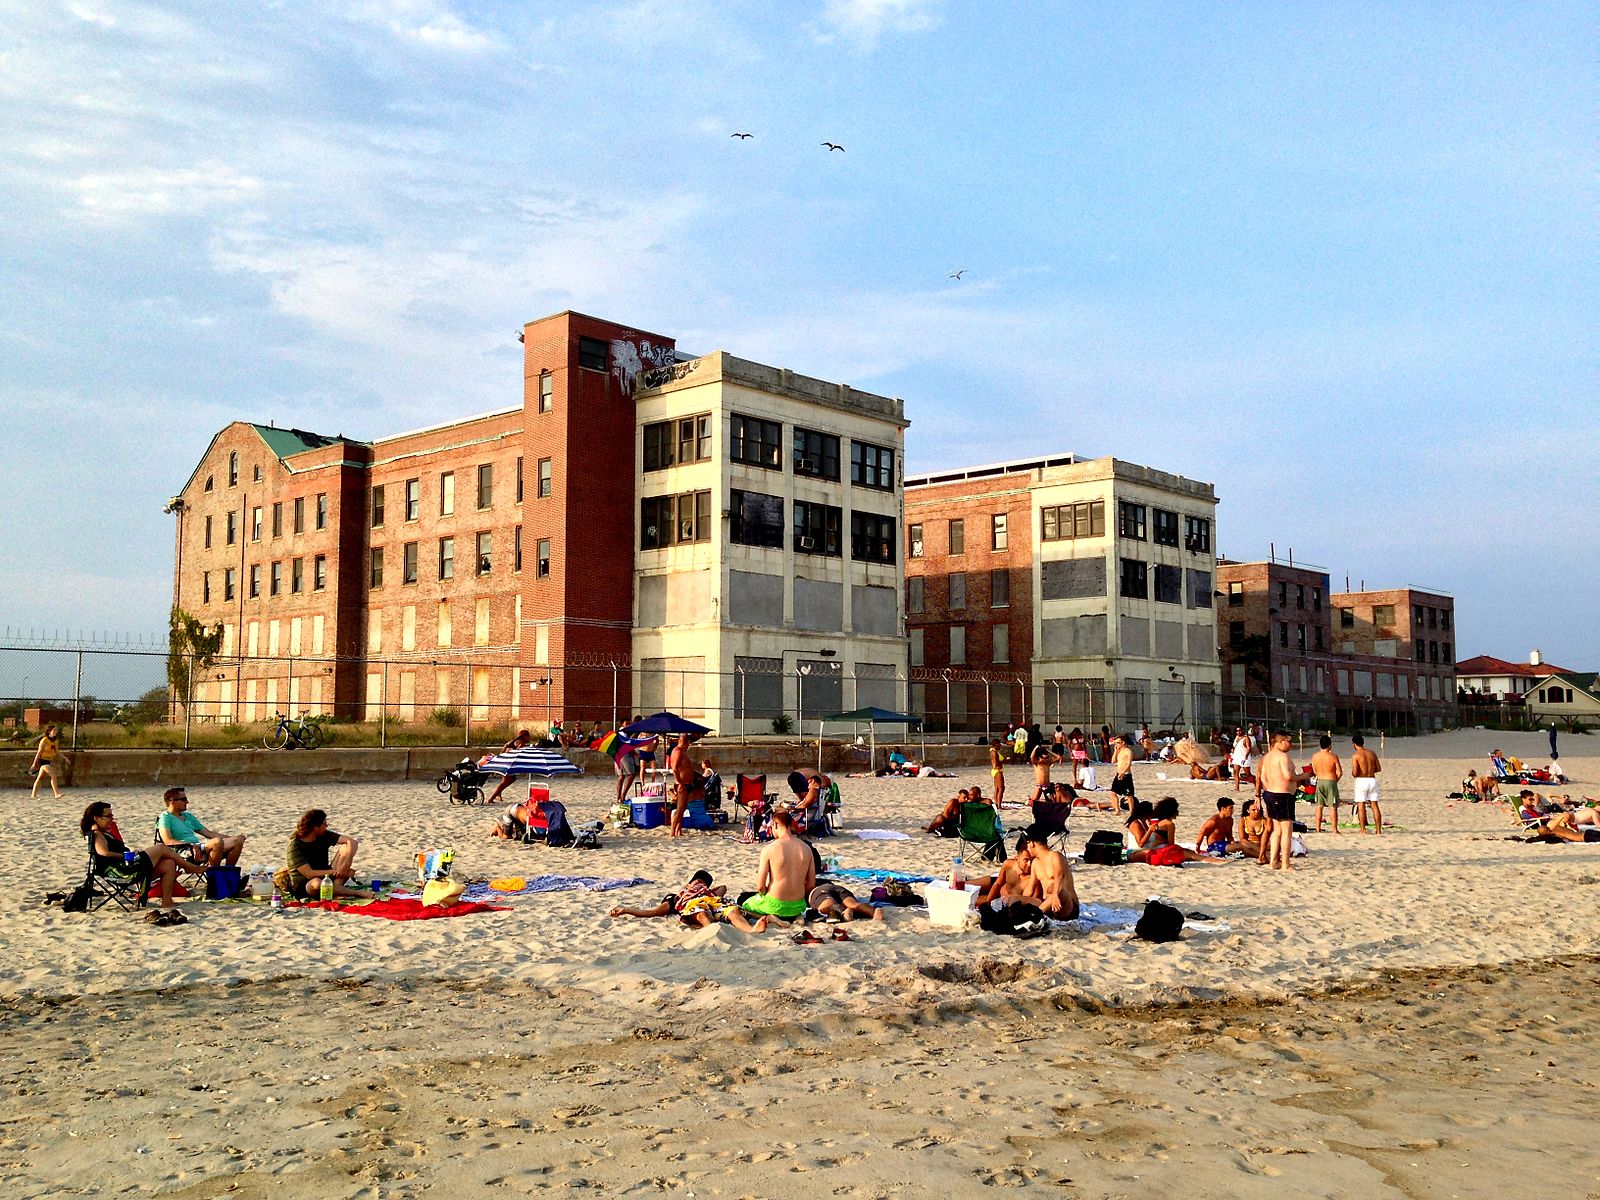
(395, 909)
(877, 875)
(553, 883)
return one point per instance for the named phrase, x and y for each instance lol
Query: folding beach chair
(123, 884)
(750, 793)
(1050, 817)
(538, 825)
(980, 826)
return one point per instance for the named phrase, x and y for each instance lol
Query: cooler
(649, 814)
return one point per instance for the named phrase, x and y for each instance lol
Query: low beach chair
(980, 826)
(1050, 817)
(750, 793)
(124, 885)
(538, 825)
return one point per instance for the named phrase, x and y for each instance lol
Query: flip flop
(839, 935)
(176, 918)
(806, 938)
(159, 917)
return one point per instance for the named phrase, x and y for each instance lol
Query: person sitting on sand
(512, 824)
(1012, 883)
(1253, 830)
(1212, 772)
(948, 822)
(787, 873)
(315, 852)
(182, 830)
(1477, 787)
(1153, 829)
(1052, 874)
(839, 903)
(158, 862)
(1216, 835)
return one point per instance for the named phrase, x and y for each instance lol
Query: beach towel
(396, 909)
(877, 875)
(552, 883)
(881, 835)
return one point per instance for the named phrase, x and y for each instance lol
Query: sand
(550, 1045)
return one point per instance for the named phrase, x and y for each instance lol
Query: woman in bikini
(1154, 831)
(997, 773)
(1253, 831)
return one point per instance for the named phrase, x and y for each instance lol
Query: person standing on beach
(1041, 758)
(1326, 767)
(49, 753)
(687, 783)
(997, 773)
(1275, 784)
(1122, 778)
(1240, 759)
(1364, 765)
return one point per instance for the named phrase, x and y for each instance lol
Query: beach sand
(1319, 1046)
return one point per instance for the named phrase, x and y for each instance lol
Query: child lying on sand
(698, 904)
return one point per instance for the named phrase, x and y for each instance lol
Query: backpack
(1160, 923)
(559, 832)
(1106, 847)
(1015, 920)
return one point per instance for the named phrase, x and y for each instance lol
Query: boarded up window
(1072, 578)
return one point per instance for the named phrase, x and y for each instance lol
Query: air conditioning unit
(807, 465)
(808, 543)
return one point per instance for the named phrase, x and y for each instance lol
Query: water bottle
(327, 887)
(957, 878)
(277, 899)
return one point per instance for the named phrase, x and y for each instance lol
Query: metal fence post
(188, 701)
(77, 696)
(466, 710)
(383, 707)
(739, 670)
(615, 668)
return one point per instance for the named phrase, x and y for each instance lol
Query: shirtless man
(1276, 781)
(1216, 835)
(787, 874)
(1013, 883)
(1041, 758)
(1122, 777)
(687, 783)
(1052, 874)
(1325, 765)
(1364, 765)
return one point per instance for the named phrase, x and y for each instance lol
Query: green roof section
(285, 442)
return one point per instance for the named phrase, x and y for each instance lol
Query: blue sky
(1339, 260)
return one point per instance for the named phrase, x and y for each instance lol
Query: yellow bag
(441, 892)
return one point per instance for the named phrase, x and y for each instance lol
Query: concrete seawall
(149, 768)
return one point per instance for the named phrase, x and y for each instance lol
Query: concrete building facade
(1069, 591)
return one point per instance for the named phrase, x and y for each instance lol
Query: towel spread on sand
(875, 875)
(395, 909)
(553, 883)
(1122, 921)
(881, 835)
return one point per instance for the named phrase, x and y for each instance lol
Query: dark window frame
(1133, 579)
(814, 454)
(873, 533)
(1088, 520)
(770, 537)
(1163, 527)
(594, 354)
(820, 525)
(1131, 521)
(755, 442)
(872, 465)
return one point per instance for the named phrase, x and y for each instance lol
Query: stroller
(463, 783)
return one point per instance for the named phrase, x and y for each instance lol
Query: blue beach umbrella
(531, 760)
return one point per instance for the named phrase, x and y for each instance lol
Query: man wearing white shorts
(1364, 767)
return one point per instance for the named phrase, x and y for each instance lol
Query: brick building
(1061, 590)
(488, 565)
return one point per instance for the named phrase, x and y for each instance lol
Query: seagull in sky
(742, 135)
(957, 274)
(834, 146)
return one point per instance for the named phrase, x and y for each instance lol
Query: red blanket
(405, 910)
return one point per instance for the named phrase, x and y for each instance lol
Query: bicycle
(302, 735)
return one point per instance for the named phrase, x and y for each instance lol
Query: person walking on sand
(1554, 753)
(1122, 779)
(48, 755)
(1326, 767)
(1275, 784)
(1365, 767)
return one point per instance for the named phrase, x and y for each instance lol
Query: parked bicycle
(305, 734)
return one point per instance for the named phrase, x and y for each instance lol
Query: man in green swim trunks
(1325, 765)
(788, 873)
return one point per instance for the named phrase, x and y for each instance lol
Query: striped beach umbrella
(531, 760)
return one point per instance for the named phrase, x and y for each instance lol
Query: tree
(191, 647)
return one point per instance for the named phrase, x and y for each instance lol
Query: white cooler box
(948, 907)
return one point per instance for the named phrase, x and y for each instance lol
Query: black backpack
(1106, 847)
(1015, 920)
(78, 899)
(1160, 923)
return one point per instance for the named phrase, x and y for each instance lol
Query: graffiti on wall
(629, 358)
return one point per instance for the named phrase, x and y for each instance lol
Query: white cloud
(152, 191)
(428, 24)
(863, 23)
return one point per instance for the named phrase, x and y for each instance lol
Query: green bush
(782, 724)
(450, 718)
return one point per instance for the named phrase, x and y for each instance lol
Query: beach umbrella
(665, 722)
(531, 760)
(874, 717)
(1190, 751)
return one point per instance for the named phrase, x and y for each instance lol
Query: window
(209, 483)
(917, 639)
(542, 558)
(547, 391)
(958, 645)
(485, 552)
(1445, 652)
(233, 469)
(958, 536)
(408, 563)
(297, 575)
(1383, 615)
(1283, 634)
(1000, 651)
(1197, 535)
(593, 354)
(754, 441)
(817, 454)
(1169, 584)
(871, 466)
(1069, 521)
(1418, 615)
(1316, 599)
(519, 479)
(447, 558)
(1130, 521)
(413, 499)
(1317, 632)
(208, 533)
(377, 507)
(916, 595)
(485, 485)
(205, 591)
(255, 524)
(871, 538)
(816, 528)
(277, 519)
(755, 519)
(667, 520)
(447, 494)
(1444, 618)
(1299, 637)
(322, 510)
(299, 514)
(1283, 594)
(1000, 588)
(275, 579)
(1433, 652)
(997, 531)
(914, 542)
(1236, 594)
(233, 527)
(1347, 618)
(1433, 618)
(1135, 579)
(1299, 595)
(319, 572)
(956, 586)
(658, 445)
(1236, 634)
(255, 581)
(1419, 650)
(516, 548)
(1166, 527)
(545, 478)
(375, 568)
(230, 579)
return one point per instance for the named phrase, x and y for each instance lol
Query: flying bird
(957, 274)
(742, 135)
(834, 146)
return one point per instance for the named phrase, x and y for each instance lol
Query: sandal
(159, 917)
(839, 935)
(176, 918)
(806, 938)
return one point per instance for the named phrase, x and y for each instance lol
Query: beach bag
(223, 883)
(558, 831)
(1105, 847)
(1014, 920)
(1160, 923)
(78, 900)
